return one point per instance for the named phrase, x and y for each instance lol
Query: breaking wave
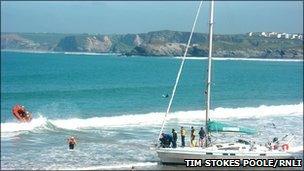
(88, 53)
(120, 166)
(151, 119)
(29, 51)
(243, 59)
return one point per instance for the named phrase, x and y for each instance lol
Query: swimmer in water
(165, 95)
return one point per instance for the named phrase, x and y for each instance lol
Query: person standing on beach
(71, 142)
(183, 135)
(174, 134)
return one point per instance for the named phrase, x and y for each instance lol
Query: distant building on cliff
(279, 35)
(276, 35)
(287, 36)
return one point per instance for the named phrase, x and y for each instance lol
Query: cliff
(157, 43)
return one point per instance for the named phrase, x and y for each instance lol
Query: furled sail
(214, 126)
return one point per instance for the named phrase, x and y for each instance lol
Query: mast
(209, 70)
(180, 70)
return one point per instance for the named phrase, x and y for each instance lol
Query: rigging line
(180, 70)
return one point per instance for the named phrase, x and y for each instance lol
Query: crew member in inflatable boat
(21, 113)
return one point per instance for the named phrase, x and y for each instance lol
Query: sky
(120, 17)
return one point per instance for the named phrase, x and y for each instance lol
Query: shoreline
(175, 57)
(160, 166)
(56, 52)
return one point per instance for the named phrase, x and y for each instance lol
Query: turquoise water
(108, 100)
(87, 86)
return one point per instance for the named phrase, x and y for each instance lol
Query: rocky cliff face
(15, 41)
(137, 41)
(159, 43)
(84, 44)
(265, 53)
(94, 44)
(159, 49)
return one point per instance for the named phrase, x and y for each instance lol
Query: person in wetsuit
(71, 142)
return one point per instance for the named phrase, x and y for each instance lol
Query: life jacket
(183, 132)
(192, 132)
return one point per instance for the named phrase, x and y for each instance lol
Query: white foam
(261, 111)
(260, 59)
(17, 126)
(118, 166)
(155, 119)
(296, 149)
(181, 116)
(28, 51)
(57, 52)
(242, 59)
(89, 53)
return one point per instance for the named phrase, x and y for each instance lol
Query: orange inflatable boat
(21, 113)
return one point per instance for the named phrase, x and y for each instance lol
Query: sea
(114, 105)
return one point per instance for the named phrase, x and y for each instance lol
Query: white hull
(178, 155)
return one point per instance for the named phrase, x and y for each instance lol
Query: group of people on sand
(168, 141)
